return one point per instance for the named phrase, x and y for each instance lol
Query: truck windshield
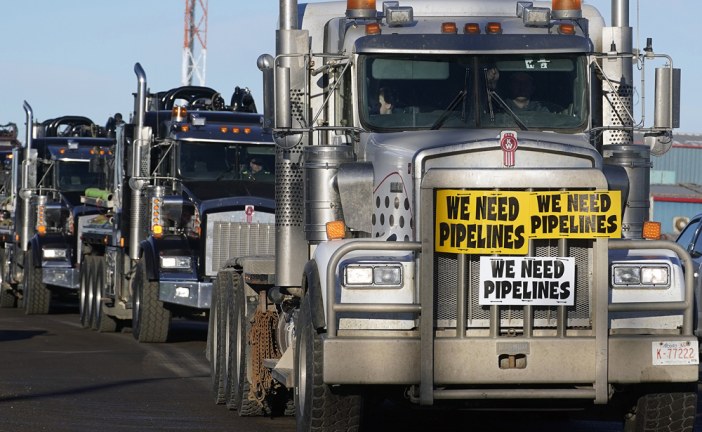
(542, 92)
(226, 161)
(74, 176)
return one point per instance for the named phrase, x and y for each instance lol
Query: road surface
(60, 377)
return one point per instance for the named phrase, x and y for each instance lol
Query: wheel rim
(136, 303)
(83, 287)
(301, 389)
(27, 291)
(97, 294)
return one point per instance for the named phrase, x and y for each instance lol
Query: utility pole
(194, 63)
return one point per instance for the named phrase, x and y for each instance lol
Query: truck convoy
(49, 173)
(456, 249)
(182, 198)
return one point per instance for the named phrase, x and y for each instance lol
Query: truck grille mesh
(446, 282)
(236, 239)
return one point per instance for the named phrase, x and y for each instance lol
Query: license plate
(675, 353)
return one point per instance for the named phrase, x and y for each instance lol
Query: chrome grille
(236, 239)
(477, 316)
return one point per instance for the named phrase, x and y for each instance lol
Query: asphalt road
(57, 376)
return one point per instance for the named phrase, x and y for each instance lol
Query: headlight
(54, 253)
(176, 262)
(637, 275)
(373, 275)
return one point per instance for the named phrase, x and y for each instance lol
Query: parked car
(691, 239)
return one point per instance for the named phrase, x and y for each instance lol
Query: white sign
(675, 353)
(527, 281)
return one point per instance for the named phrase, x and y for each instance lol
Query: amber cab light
(360, 4)
(651, 230)
(448, 27)
(336, 230)
(471, 28)
(178, 113)
(372, 28)
(566, 29)
(493, 28)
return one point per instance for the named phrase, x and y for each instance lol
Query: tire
(7, 297)
(664, 412)
(317, 407)
(86, 290)
(216, 339)
(37, 297)
(101, 322)
(239, 359)
(150, 319)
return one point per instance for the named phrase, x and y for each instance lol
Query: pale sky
(76, 57)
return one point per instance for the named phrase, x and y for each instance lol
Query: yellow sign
(489, 222)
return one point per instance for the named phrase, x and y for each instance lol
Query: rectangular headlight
(373, 275)
(387, 275)
(176, 262)
(357, 275)
(637, 275)
(54, 253)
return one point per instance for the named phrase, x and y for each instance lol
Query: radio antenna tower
(195, 37)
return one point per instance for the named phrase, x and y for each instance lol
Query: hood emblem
(249, 211)
(508, 142)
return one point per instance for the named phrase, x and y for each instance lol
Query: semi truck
(454, 243)
(9, 145)
(48, 174)
(181, 199)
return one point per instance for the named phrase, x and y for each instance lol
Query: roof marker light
(471, 28)
(372, 28)
(493, 28)
(178, 113)
(449, 27)
(566, 29)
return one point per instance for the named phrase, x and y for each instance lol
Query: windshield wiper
(447, 112)
(493, 95)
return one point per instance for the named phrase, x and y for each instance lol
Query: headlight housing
(176, 262)
(373, 275)
(54, 253)
(640, 276)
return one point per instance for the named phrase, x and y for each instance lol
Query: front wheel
(86, 290)
(317, 407)
(663, 412)
(100, 321)
(37, 297)
(150, 319)
(217, 344)
(7, 297)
